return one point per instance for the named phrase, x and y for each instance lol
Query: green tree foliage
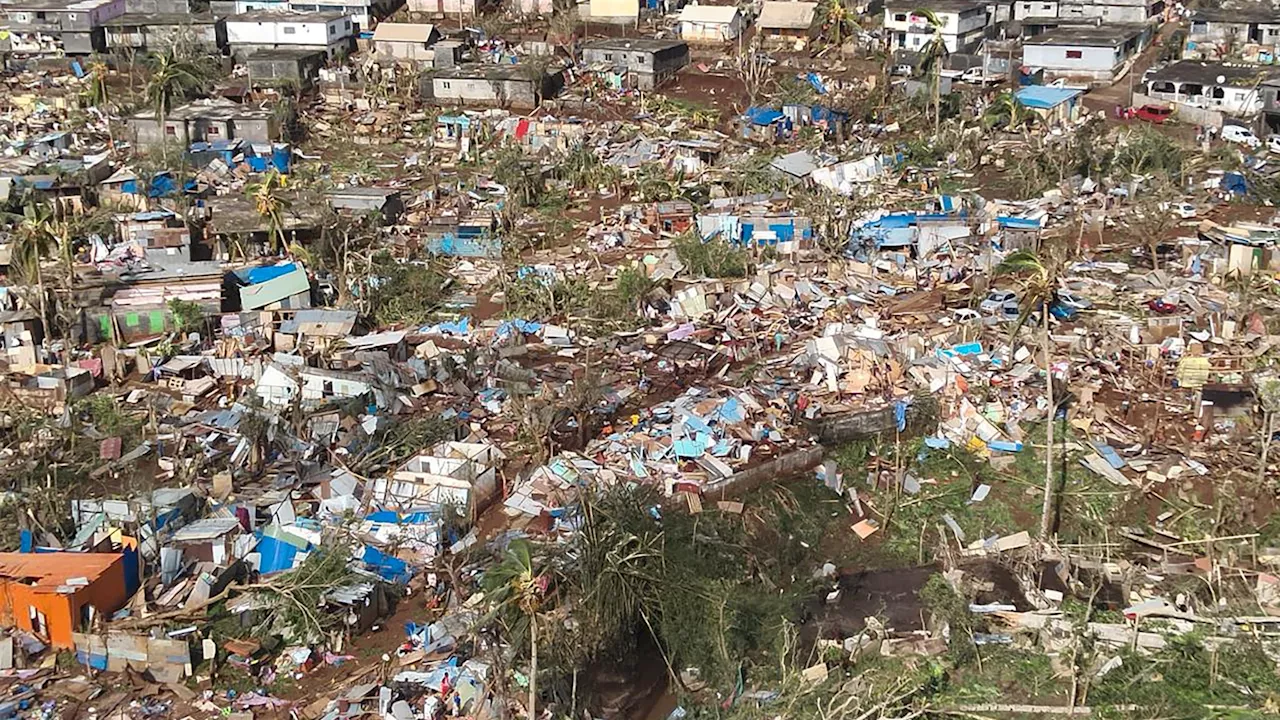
(406, 293)
(187, 315)
(713, 258)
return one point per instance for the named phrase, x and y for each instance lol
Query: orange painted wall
(62, 612)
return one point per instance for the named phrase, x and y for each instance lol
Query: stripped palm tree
(836, 21)
(933, 55)
(516, 584)
(270, 206)
(1039, 279)
(35, 239)
(99, 96)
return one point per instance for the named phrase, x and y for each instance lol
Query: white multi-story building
(1024, 9)
(963, 23)
(268, 30)
(362, 12)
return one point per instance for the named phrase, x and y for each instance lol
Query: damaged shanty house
(54, 594)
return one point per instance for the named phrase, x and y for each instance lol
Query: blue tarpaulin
(467, 242)
(390, 568)
(1234, 182)
(816, 82)
(1018, 223)
(255, 276)
(763, 115)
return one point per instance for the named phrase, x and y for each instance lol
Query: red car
(1153, 114)
(1160, 306)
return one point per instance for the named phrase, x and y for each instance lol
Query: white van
(1241, 135)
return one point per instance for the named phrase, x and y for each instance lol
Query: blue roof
(257, 275)
(763, 115)
(1045, 98)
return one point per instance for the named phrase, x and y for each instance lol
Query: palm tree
(932, 55)
(35, 239)
(514, 583)
(1007, 111)
(836, 21)
(1039, 280)
(171, 78)
(271, 206)
(100, 97)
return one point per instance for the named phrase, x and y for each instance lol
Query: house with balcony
(1231, 89)
(963, 24)
(1251, 33)
(53, 27)
(1093, 54)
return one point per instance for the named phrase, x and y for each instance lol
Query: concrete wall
(1184, 113)
(1113, 11)
(402, 50)
(287, 33)
(710, 32)
(1035, 9)
(157, 6)
(780, 468)
(517, 92)
(1098, 62)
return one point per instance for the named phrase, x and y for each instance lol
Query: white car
(1183, 210)
(1240, 135)
(1069, 299)
(999, 301)
(1273, 143)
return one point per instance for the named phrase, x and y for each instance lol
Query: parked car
(1154, 114)
(1273, 143)
(1183, 210)
(997, 300)
(1069, 299)
(979, 76)
(1160, 306)
(1240, 135)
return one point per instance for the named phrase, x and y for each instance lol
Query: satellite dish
(1220, 79)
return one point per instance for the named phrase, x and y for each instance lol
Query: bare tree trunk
(533, 666)
(1046, 507)
(44, 307)
(1268, 431)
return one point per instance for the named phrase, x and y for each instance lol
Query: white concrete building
(1110, 11)
(361, 12)
(964, 24)
(1035, 9)
(1090, 54)
(710, 23)
(268, 30)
